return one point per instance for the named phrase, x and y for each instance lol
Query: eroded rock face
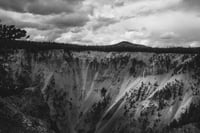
(98, 92)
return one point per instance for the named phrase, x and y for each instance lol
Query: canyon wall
(101, 92)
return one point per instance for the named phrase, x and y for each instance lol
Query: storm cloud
(68, 20)
(43, 7)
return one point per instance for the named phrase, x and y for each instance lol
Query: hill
(129, 45)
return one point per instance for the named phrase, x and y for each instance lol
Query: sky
(156, 23)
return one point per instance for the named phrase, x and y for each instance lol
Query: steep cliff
(102, 92)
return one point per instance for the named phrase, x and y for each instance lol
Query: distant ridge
(128, 44)
(119, 47)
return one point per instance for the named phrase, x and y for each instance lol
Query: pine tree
(10, 32)
(7, 86)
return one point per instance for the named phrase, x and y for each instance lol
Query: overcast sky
(100, 22)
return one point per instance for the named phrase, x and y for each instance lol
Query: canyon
(66, 91)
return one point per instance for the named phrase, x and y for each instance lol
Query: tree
(7, 85)
(10, 32)
(103, 92)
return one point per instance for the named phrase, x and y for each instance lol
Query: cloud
(24, 20)
(41, 6)
(103, 21)
(168, 35)
(43, 22)
(39, 38)
(70, 37)
(68, 20)
(119, 3)
(193, 5)
(139, 8)
(194, 44)
(15, 5)
(47, 35)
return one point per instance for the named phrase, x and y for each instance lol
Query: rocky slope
(60, 91)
